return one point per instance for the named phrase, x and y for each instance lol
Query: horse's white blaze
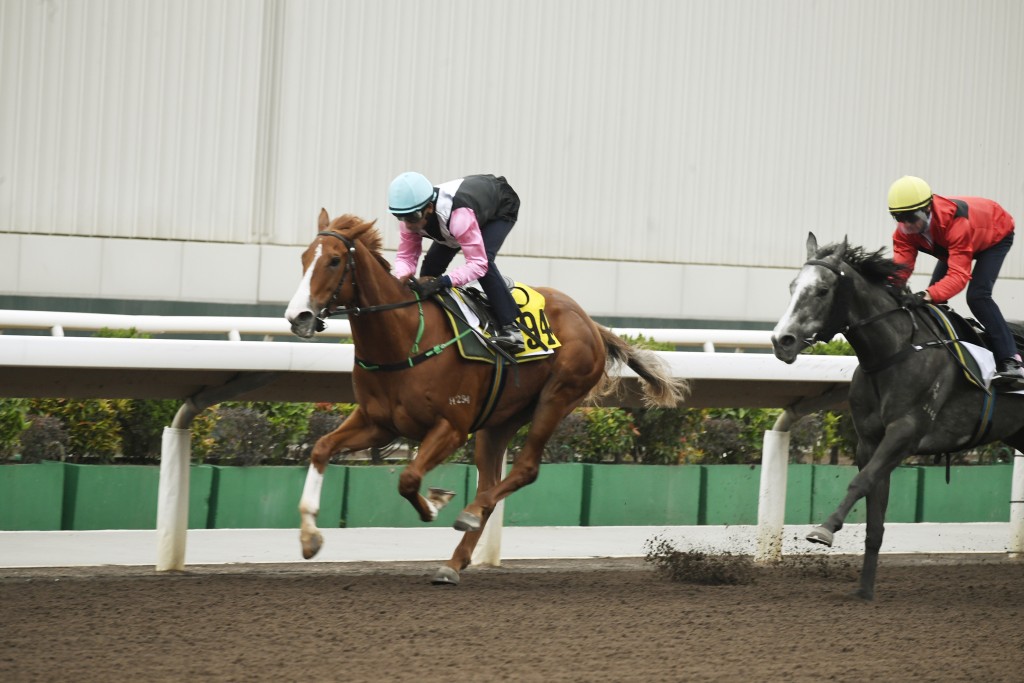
(804, 281)
(310, 501)
(300, 300)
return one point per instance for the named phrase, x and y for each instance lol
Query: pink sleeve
(410, 246)
(463, 227)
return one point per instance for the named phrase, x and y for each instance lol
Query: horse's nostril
(303, 317)
(785, 340)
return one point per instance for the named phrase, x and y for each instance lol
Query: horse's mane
(356, 228)
(872, 265)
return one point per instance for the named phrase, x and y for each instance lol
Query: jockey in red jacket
(957, 231)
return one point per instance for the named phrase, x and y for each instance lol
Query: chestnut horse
(435, 397)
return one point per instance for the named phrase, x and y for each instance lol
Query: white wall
(684, 143)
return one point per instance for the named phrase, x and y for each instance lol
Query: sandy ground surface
(935, 618)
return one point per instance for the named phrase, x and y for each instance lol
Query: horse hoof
(467, 521)
(311, 544)
(861, 594)
(440, 497)
(445, 576)
(820, 534)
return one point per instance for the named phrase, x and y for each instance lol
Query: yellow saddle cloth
(537, 333)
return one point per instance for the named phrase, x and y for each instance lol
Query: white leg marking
(309, 504)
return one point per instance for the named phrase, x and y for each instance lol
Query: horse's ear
(841, 253)
(324, 221)
(812, 246)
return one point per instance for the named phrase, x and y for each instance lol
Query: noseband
(350, 266)
(350, 271)
(835, 322)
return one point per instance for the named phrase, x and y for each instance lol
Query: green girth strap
(412, 360)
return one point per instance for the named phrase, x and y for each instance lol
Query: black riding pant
(987, 265)
(494, 233)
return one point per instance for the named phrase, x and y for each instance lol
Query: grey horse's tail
(659, 386)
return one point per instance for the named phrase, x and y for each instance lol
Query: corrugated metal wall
(677, 131)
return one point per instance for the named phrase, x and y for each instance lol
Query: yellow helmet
(909, 193)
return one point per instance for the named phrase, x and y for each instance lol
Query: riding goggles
(414, 217)
(910, 216)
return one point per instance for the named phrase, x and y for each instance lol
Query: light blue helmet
(409, 192)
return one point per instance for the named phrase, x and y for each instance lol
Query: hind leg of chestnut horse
(355, 433)
(550, 411)
(440, 442)
(490, 447)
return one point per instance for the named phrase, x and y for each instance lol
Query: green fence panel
(372, 498)
(905, 494)
(828, 488)
(729, 494)
(268, 497)
(555, 499)
(110, 497)
(974, 494)
(831, 482)
(32, 497)
(641, 495)
(200, 491)
(798, 493)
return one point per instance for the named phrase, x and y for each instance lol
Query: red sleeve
(961, 253)
(904, 252)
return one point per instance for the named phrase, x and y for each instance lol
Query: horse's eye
(821, 291)
(335, 262)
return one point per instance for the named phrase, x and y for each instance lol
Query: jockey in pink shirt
(473, 215)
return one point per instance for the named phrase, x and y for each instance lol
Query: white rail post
(1016, 546)
(172, 499)
(488, 549)
(175, 460)
(771, 502)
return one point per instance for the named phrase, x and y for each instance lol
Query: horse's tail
(660, 387)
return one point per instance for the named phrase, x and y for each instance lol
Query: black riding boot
(509, 339)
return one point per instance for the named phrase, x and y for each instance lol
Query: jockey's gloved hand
(430, 287)
(912, 299)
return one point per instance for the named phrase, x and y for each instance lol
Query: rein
(415, 357)
(350, 266)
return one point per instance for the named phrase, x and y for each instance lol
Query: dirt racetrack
(935, 619)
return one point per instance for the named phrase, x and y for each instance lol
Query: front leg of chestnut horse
(355, 433)
(440, 442)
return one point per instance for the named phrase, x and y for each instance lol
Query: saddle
(957, 331)
(472, 320)
(970, 330)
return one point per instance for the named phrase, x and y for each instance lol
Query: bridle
(415, 357)
(835, 322)
(350, 272)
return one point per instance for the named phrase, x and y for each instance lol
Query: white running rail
(232, 328)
